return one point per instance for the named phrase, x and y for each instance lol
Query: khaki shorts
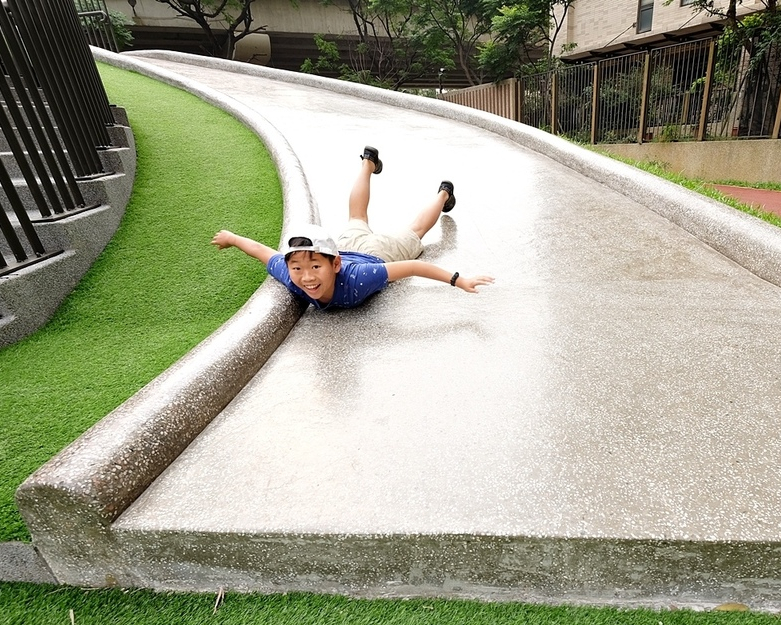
(358, 237)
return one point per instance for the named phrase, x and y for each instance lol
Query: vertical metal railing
(96, 24)
(620, 97)
(694, 91)
(54, 120)
(676, 91)
(575, 100)
(17, 81)
(536, 90)
(60, 57)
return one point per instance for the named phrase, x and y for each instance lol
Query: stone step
(31, 291)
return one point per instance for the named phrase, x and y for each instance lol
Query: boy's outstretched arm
(225, 238)
(409, 268)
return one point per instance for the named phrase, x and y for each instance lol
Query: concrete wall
(594, 24)
(305, 16)
(753, 160)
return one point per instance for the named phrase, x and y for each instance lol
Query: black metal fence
(700, 90)
(54, 121)
(96, 24)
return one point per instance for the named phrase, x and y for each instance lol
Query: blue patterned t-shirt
(360, 276)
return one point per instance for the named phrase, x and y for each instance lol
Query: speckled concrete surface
(19, 562)
(599, 423)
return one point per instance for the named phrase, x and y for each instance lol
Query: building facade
(593, 29)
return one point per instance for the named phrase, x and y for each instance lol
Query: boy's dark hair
(305, 242)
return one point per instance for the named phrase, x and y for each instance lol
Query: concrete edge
(747, 240)
(542, 569)
(70, 502)
(20, 562)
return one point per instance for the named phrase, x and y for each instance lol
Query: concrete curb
(751, 242)
(70, 502)
(20, 562)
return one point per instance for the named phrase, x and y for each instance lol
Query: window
(687, 2)
(645, 15)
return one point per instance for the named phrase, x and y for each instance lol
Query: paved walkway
(599, 424)
(764, 199)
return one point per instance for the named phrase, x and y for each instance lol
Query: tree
(400, 40)
(392, 46)
(463, 23)
(235, 17)
(759, 28)
(730, 13)
(520, 30)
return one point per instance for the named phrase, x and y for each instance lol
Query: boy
(329, 275)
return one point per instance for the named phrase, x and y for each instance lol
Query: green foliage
(460, 25)
(393, 48)
(122, 34)
(118, 20)
(700, 186)
(425, 92)
(158, 288)
(496, 59)
(402, 40)
(521, 29)
(756, 31)
(328, 61)
(671, 132)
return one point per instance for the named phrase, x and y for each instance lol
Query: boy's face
(314, 274)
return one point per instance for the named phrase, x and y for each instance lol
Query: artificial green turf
(157, 290)
(46, 605)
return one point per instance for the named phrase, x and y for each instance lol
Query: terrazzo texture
(19, 562)
(598, 425)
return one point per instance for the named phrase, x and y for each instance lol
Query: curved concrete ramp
(600, 425)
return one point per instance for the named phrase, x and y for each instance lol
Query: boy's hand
(223, 239)
(469, 284)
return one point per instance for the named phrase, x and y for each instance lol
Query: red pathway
(764, 199)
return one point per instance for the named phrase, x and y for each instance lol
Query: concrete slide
(598, 426)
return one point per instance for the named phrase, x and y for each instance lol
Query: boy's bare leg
(360, 193)
(429, 215)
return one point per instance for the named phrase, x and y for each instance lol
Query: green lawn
(158, 289)
(26, 604)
